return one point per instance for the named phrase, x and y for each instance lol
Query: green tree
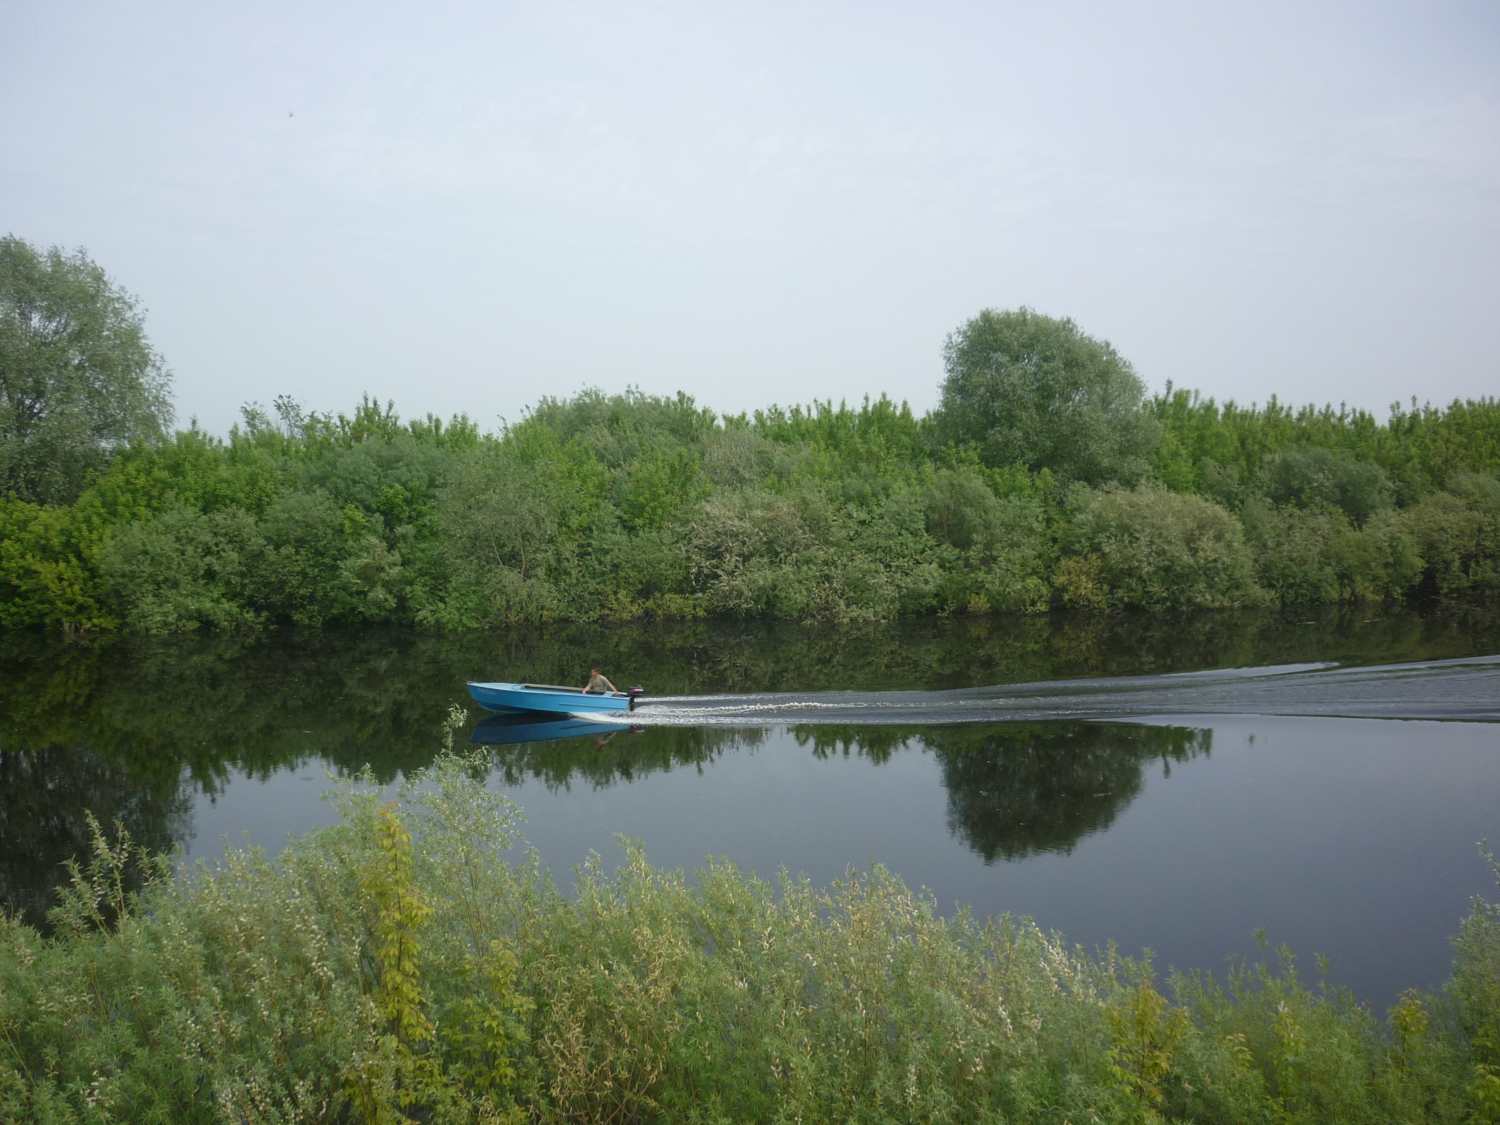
(77, 376)
(1026, 388)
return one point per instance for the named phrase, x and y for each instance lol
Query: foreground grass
(397, 967)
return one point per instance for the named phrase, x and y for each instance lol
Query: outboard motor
(635, 693)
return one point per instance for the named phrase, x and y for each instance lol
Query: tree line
(1046, 477)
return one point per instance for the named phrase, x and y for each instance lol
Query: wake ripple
(1465, 689)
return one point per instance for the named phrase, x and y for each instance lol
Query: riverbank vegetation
(1046, 477)
(397, 967)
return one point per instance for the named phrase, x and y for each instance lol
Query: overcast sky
(463, 207)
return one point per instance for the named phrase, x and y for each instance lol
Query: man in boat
(599, 683)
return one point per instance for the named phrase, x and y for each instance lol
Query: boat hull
(545, 699)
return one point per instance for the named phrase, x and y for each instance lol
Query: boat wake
(1464, 689)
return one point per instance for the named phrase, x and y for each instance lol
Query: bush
(1001, 545)
(1475, 995)
(1311, 476)
(500, 518)
(395, 967)
(1457, 534)
(1294, 551)
(806, 558)
(300, 574)
(184, 569)
(1153, 548)
(49, 567)
(1310, 555)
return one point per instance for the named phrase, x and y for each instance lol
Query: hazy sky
(466, 206)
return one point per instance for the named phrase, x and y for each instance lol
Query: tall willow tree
(1032, 390)
(77, 376)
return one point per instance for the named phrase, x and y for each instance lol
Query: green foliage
(999, 546)
(1026, 388)
(306, 539)
(1457, 535)
(195, 470)
(1148, 1032)
(184, 569)
(1211, 447)
(629, 507)
(1475, 991)
(804, 557)
(1021, 492)
(859, 456)
(1275, 1050)
(1306, 555)
(401, 911)
(617, 429)
(1309, 475)
(500, 521)
(1154, 548)
(396, 967)
(77, 377)
(49, 573)
(657, 487)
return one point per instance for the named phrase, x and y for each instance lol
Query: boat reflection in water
(511, 729)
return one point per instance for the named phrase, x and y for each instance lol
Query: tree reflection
(133, 727)
(1017, 790)
(43, 818)
(629, 756)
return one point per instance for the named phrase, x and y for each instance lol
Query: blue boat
(551, 699)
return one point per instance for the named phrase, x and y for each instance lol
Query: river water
(1172, 783)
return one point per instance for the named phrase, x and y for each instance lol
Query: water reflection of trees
(624, 757)
(43, 823)
(129, 726)
(1015, 789)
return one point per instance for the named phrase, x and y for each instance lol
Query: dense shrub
(49, 572)
(801, 556)
(499, 519)
(1419, 449)
(999, 546)
(1458, 536)
(1308, 555)
(1310, 476)
(396, 967)
(184, 568)
(1154, 548)
(631, 507)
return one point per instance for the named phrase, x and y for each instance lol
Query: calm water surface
(1082, 770)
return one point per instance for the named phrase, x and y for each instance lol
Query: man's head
(593, 671)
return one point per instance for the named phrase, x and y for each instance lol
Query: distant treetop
(1033, 390)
